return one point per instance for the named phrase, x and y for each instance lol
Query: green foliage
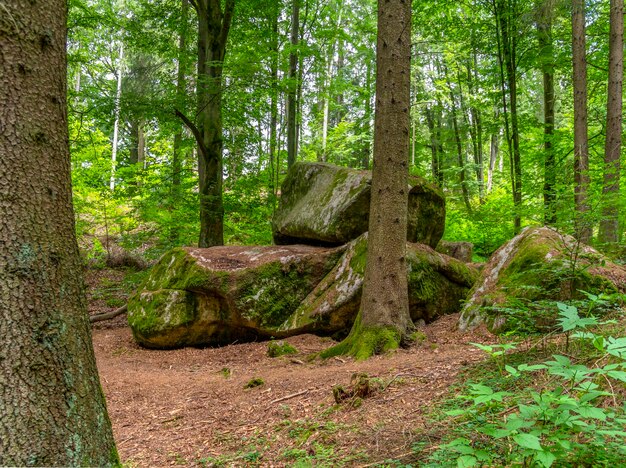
(569, 416)
(280, 348)
(254, 382)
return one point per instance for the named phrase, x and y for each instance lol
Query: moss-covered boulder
(539, 264)
(437, 285)
(323, 204)
(200, 297)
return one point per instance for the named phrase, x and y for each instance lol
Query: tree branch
(192, 127)
(195, 5)
(229, 9)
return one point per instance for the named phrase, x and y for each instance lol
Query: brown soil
(189, 406)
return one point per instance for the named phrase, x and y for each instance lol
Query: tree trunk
(213, 29)
(609, 225)
(546, 57)
(273, 106)
(292, 149)
(505, 12)
(52, 410)
(116, 124)
(581, 143)
(383, 320)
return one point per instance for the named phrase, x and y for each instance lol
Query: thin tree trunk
(116, 125)
(52, 409)
(434, 146)
(273, 106)
(546, 54)
(181, 84)
(609, 225)
(292, 149)
(583, 229)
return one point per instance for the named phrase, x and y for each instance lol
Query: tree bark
(609, 225)
(505, 13)
(213, 28)
(383, 320)
(292, 149)
(583, 229)
(52, 410)
(546, 55)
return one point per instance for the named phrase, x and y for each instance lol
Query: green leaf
(528, 441)
(545, 458)
(466, 461)
(591, 412)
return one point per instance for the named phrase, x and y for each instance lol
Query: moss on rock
(437, 285)
(323, 204)
(540, 264)
(200, 297)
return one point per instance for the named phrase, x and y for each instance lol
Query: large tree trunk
(52, 410)
(609, 225)
(581, 143)
(292, 135)
(546, 55)
(383, 320)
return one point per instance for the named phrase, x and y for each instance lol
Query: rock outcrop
(460, 250)
(538, 264)
(202, 297)
(437, 285)
(323, 204)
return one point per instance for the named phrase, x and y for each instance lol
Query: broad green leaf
(528, 441)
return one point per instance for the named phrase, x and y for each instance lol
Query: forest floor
(189, 406)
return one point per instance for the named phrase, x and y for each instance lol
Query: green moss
(280, 348)
(365, 342)
(178, 270)
(156, 312)
(254, 382)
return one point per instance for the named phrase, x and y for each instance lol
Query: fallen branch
(288, 397)
(108, 315)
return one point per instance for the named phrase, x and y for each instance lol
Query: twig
(288, 397)
(108, 315)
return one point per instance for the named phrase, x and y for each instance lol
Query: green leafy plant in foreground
(574, 418)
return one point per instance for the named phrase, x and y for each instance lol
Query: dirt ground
(189, 406)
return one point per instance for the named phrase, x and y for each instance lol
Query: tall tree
(609, 225)
(581, 142)
(544, 13)
(213, 28)
(52, 407)
(292, 136)
(507, 35)
(383, 321)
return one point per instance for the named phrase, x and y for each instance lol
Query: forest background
(492, 114)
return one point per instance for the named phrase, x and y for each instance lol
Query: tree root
(108, 315)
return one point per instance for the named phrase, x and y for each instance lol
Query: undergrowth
(562, 405)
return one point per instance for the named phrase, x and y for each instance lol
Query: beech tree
(213, 28)
(383, 321)
(52, 410)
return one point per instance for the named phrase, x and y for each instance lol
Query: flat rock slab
(216, 296)
(323, 204)
(539, 264)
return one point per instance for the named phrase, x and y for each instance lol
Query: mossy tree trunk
(52, 410)
(383, 320)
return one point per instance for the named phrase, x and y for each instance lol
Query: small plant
(226, 372)
(497, 352)
(569, 420)
(280, 348)
(255, 382)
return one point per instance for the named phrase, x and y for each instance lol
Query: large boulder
(539, 264)
(437, 286)
(323, 204)
(463, 251)
(201, 297)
